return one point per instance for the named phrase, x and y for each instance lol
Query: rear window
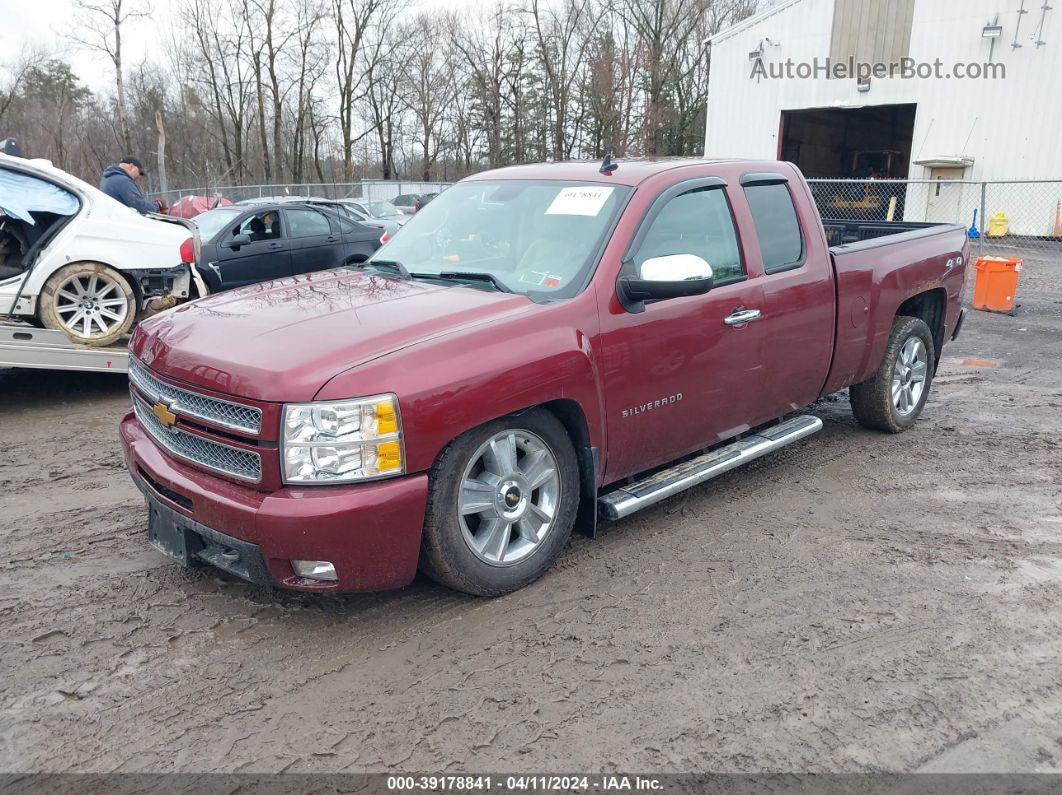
(382, 209)
(777, 228)
(24, 194)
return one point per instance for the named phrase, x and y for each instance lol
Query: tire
(893, 398)
(473, 493)
(89, 302)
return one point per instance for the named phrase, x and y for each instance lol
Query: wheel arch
(573, 418)
(138, 293)
(570, 414)
(930, 307)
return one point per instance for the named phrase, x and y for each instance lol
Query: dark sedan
(248, 244)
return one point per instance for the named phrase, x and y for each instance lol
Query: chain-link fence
(370, 189)
(1023, 215)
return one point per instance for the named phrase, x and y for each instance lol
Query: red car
(541, 346)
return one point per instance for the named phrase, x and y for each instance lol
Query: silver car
(376, 213)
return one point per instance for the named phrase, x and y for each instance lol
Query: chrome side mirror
(675, 268)
(660, 278)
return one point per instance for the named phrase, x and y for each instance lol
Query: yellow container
(998, 225)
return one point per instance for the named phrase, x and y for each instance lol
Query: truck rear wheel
(501, 505)
(894, 397)
(89, 302)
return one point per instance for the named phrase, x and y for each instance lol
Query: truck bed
(876, 273)
(841, 231)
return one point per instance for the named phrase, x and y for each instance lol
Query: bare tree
(483, 46)
(222, 54)
(561, 47)
(17, 70)
(98, 27)
(309, 61)
(387, 89)
(270, 90)
(430, 75)
(353, 21)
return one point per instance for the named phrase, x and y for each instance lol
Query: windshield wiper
(392, 265)
(465, 276)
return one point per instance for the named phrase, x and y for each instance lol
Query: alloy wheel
(909, 376)
(91, 304)
(509, 498)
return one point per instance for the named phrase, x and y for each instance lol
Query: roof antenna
(608, 165)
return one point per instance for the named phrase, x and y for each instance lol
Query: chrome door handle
(742, 316)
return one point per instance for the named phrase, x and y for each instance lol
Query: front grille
(234, 416)
(221, 458)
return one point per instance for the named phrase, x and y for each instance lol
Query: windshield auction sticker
(584, 200)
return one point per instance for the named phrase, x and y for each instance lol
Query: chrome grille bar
(206, 453)
(224, 413)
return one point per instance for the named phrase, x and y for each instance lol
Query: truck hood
(283, 340)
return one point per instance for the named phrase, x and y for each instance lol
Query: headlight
(342, 441)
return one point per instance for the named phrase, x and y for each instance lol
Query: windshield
(533, 236)
(381, 209)
(213, 221)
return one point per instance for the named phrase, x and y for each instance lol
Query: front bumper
(370, 532)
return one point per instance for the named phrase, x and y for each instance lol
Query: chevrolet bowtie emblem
(166, 417)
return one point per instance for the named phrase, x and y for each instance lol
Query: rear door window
(307, 223)
(777, 227)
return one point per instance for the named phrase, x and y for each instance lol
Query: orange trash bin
(996, 283)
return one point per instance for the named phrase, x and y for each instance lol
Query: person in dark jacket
(119, 182)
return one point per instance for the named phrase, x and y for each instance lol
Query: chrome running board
(666, 483)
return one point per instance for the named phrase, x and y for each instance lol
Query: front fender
(451, 384)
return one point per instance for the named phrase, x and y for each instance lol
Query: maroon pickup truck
(540, 348)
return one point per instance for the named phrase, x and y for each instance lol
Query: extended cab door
(686, 372)
(266, 256)
(315, 245)
(787, 245)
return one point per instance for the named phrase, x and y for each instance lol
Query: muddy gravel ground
(856, 602)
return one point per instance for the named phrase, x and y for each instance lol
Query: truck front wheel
(501, 505)
(893, 398)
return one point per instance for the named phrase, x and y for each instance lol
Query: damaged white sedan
(76, 260)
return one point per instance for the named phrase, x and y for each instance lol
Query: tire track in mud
(854, 601)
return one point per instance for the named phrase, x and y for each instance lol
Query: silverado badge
(166, 417)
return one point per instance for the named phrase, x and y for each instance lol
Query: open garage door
(866, 143)
(856, 143)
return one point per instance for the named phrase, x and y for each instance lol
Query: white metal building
(940, 128)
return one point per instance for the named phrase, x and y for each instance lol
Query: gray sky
(43, 21)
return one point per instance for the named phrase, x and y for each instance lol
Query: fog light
(315, 570)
